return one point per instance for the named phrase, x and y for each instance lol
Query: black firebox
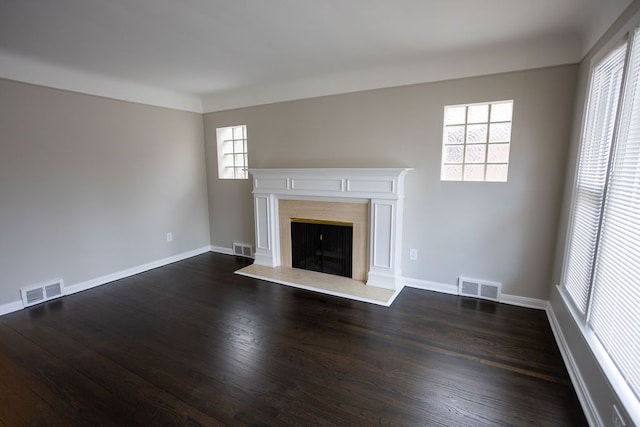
(323, 246)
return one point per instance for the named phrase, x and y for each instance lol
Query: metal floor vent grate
(243, 249)
(33, 295)
(479, 289)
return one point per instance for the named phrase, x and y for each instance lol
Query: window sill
(626, 397)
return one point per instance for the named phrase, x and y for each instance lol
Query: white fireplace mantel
(381, 188)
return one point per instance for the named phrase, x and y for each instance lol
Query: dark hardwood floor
(193, 344)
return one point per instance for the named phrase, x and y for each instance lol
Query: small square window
(232, 152)
(476, 141)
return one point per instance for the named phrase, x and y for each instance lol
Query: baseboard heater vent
(242, 249)
(479, 288)
(33, 295)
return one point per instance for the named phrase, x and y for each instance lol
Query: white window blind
(602, 268)
(604, 93)
(614, 314)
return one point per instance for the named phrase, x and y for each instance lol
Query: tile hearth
(323, 283)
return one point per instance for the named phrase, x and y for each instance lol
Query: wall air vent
(32, 295)
(243, 249)
(479, 289)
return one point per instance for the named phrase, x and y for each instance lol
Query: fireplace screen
(323, 246)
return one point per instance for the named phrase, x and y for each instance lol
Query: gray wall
(90, 186)
(496, 231)
(598, 386)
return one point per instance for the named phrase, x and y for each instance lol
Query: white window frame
(622, 390)
(485, 146)
(232, 151)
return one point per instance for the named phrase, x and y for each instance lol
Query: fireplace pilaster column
(266, 222)
(385, 237)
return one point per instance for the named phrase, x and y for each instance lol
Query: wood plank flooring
(193, 344)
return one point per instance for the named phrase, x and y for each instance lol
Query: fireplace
(323, 246)
(369, 199)
(355, 214)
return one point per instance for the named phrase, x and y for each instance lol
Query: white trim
(444, 288)
(534, 54)
(524, 302)
(221, 250)
(343, 183)
(10, 307)
(614, 40)
(324, 291)
(447, 288)
(28, 70)
(382, 187)
(546, 52)
(619, 387)
(98, 281)
(384, 281)
(92, 283)
(587, 403)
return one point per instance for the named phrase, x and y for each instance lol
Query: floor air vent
(479, 289)
(36, 294)
(242, 249)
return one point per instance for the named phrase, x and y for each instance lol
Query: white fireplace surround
(382, 189)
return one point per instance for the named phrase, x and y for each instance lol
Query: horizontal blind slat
(591, 175)
(616, 293)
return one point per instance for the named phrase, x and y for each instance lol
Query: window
(602, 266)
(604, 93)
(232, 152)
(476, 142)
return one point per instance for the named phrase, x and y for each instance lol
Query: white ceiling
(211, 55)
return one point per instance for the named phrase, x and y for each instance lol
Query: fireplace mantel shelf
(381, 188)
(366, 183)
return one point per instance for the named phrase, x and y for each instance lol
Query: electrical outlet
(169, 237)
(616, 418)
(413, 254)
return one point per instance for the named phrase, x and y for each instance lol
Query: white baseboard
(385, 281)
(88, 284)
(524, 301)
(221, 250)
(82, 286)
(588, 406)
(444, 288)
(10, 307)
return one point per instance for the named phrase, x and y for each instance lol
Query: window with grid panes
(232, 152)
(476, 142)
